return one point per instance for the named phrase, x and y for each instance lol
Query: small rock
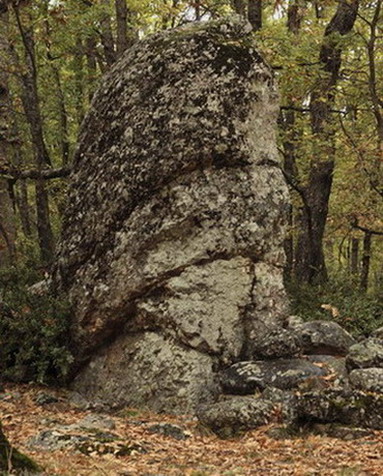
(245, 377)
(366, 354)
(41, 287)
(43, 398)
(90, 444)
(284, 402)
(293, 321)
(378, 333)
(77, 400)
(348, 407)
(342, 432)
(51, 440)
(94, 422)
(168, 429)
(369, 380)
(323, 337)
(230, 417)
(277, 343)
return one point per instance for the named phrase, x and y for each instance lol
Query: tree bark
(62, 112)
(254, 14)
(78, 63)
(106, 35)
(239, 7)
(31, 104)
(91, 61)
(7, 218)
(310, 261)
(366, 258)
(122, 42)
(289, 128)
(126, 33)
(294, 16)
(354, 264)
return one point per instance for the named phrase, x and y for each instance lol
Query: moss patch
(12, 459)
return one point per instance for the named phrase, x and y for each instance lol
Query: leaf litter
(155, 454)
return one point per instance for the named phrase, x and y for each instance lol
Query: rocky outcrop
(326, 389)
(171, 251)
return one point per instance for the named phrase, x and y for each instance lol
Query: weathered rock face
(173, 236)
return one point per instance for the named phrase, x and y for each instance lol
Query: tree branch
(46, 174)
(355, 225)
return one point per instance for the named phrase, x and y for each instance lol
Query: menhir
(171, 252)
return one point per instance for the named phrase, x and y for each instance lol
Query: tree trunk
(7, 218)
(126, 34)
(31, 104)
(294, 16)
(289, 128)
(354, 263)
(254, 14)
(122, 42)
(310, 262)
(239, 7)
(78, 63)
(106, 35)
(366, 258)
(91, 61)
(62, 113)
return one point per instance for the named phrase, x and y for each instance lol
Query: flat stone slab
(246, 377)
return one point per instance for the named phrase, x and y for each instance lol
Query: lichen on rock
(172, 246)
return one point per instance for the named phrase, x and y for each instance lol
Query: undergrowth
(34, 331)
(340, 300)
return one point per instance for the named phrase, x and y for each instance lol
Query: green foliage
(341, 301)
(33, 331)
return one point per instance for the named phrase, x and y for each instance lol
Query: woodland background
(327, 56)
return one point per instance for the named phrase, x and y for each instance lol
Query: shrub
(34, 331)
(342, 301)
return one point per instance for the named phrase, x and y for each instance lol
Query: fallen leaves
(200, 455)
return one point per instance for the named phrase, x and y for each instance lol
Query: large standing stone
(172, 239)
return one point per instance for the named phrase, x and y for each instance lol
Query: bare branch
(46, 174)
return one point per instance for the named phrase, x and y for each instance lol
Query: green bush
(344, 302)
(34, 331)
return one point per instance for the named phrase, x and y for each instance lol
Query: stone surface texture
(246, 377)
(366, 354)
(323, 337)
(234, 415)
(172, 241)
(342, 406)
(369, 380)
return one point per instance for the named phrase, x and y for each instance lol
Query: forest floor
(200, 454)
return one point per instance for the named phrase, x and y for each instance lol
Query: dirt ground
(201, 454)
